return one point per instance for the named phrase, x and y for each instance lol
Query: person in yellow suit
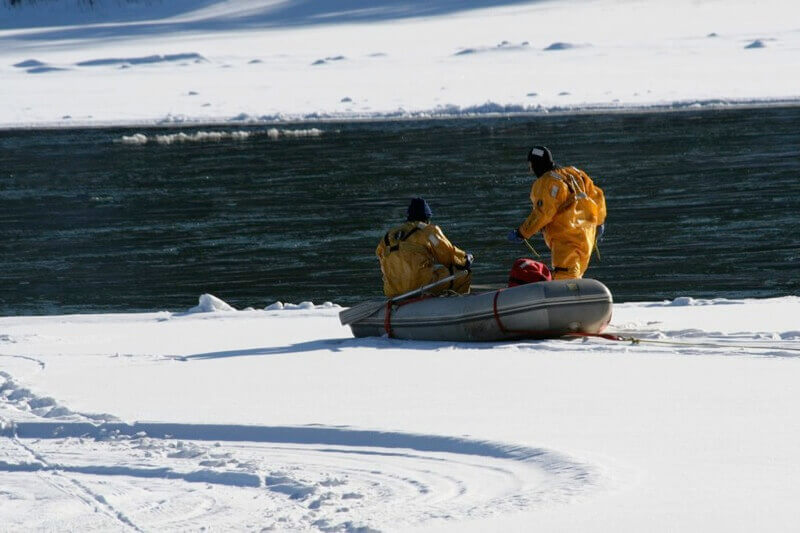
(417, 253)
(569, 210)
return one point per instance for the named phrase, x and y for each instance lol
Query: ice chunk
(136, 138)
(559, 46)
(209, 303)
(758, 43)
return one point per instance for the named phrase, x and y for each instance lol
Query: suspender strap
(575, 189)
(393, 248)
(410, 233)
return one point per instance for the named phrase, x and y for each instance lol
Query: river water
(701, 203)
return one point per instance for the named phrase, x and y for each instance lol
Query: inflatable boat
(532, 311)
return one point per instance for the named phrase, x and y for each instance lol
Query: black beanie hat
(541, 159)
(419, 209)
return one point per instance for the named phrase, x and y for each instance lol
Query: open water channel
(701, 203)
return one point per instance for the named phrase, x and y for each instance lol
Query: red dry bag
(526, 270)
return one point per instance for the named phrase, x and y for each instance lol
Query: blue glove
(600, 230)
(515, 237)
(468, 262)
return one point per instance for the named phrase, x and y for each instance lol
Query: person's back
(568, 208)
(417, 253)
(578, 204)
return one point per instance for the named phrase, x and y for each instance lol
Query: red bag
(526, 270)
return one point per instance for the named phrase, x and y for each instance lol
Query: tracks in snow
(149, 476)
(60, 481)
(324, 478)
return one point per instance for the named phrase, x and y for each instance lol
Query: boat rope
(531, 248)
(663, 342)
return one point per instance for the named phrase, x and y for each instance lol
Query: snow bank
(274, 133)
(385, 61)
(280, 306)
(216, 136)
(208, 303)
(136, 138)
(145, 60)
(683, 301)
(200, 136)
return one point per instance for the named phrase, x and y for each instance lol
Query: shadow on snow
(338, 345)
(570, 472)
(319, 435)
(287, 13)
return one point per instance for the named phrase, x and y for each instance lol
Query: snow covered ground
(279, 419)
(235, 61)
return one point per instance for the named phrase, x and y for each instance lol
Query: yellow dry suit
(416, 254)
(567, 208)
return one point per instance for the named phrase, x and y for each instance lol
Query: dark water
(704, 204)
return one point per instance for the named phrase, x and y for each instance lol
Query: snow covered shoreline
(432, 115)
(274, 62)
(279, 418)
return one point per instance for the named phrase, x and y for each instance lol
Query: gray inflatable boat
(533, 311)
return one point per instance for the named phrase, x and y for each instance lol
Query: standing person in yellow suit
(569, 210)
(417, 253)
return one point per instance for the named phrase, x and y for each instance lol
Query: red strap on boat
(387, 319)
(497, 316)
(387, 315)
(532, 333)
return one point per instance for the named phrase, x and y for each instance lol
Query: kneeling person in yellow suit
(569, 210)
(417, 253)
